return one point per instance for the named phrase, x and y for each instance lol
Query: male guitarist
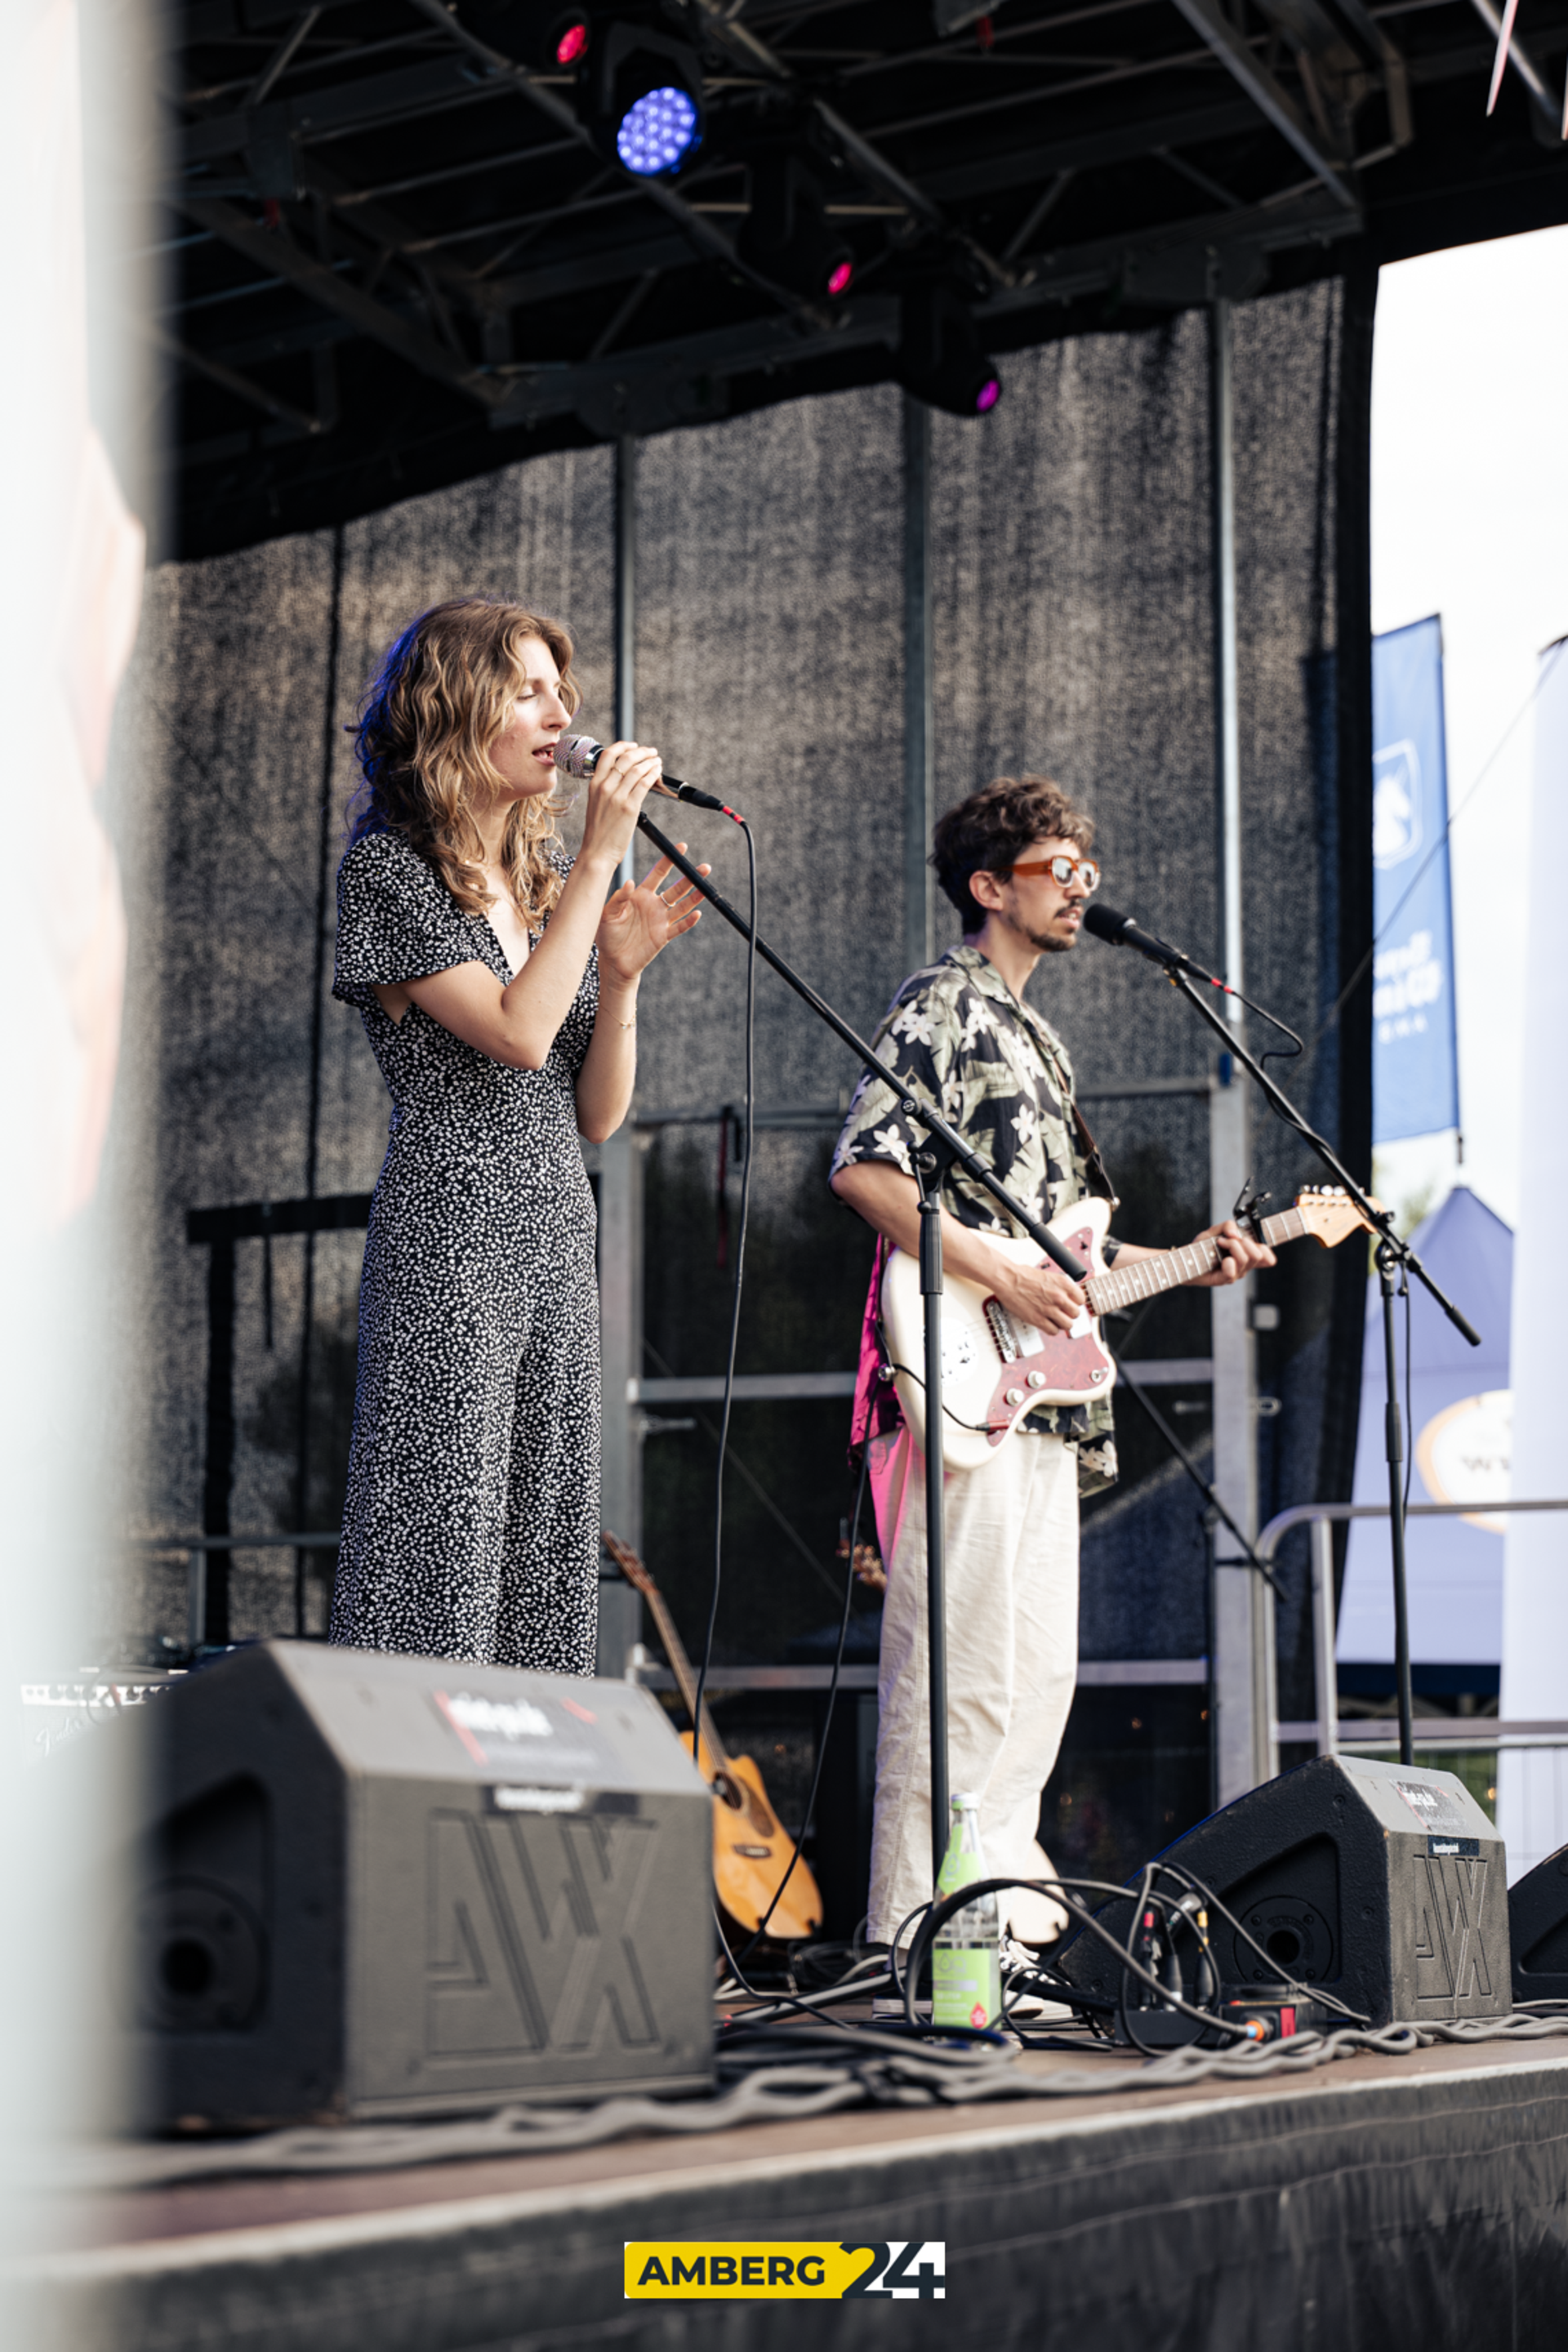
(1014, 859)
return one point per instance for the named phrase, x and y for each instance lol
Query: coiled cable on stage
(780, 2074)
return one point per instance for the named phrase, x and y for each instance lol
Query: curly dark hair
(990, 831)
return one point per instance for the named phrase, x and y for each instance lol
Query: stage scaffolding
(848, 612)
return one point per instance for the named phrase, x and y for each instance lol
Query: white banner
(1532, 1787)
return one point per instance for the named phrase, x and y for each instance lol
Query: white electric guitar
(995, 1370)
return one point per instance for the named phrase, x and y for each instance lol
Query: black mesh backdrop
(1073, 633)
(237, 747)
(1072, 629)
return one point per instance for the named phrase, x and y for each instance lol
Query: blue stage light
(656, 131)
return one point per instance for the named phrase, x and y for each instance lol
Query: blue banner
(1414, 1059)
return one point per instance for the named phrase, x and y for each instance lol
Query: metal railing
(1446, 1731)
(195, 1550)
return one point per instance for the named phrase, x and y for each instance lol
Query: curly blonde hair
(427, 720)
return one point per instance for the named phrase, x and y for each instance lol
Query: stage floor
(1374, 2204)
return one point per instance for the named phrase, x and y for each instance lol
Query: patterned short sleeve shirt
(961, 1040)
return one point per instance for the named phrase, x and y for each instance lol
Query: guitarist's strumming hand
(891, 1200)
(1042, 1295)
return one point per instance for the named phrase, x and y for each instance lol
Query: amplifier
(370, 1885)
(1384, 1883)
(1538, 1917)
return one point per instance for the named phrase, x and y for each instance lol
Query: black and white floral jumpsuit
(471, 1523)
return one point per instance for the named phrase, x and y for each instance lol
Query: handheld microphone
(578, 755)
(1119, 931)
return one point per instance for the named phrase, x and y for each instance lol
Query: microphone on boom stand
(578, 755)
(1119, 931)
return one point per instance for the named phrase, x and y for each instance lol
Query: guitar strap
(1094, 1166)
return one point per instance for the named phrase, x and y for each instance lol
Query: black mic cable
(1119, 931)
(579, 755)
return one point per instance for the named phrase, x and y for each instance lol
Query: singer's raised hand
(639, 922)
(623, 777)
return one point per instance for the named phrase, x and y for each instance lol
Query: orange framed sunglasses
(1061, 869)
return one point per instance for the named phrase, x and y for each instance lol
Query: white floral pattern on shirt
(959, 1038)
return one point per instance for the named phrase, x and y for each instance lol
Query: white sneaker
(1028, 1997)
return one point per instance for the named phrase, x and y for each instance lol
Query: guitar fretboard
(1145, 1277)
(684, 1673)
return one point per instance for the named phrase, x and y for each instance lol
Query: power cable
(832, 1701)
(1332, 1017)
(750, 1037)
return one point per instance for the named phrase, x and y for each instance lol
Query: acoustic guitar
(750, 1851)
(995, 1370)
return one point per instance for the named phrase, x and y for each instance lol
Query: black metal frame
(399, 260)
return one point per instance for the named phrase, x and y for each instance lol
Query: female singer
(499, 992)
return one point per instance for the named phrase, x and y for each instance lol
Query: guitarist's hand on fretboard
(1240, 1255)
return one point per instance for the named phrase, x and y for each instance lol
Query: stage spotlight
(645, 95)
(940, 356)
(787, 234)
(538, 33)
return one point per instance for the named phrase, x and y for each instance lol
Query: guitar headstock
(1330, 1214)
(627, 1561)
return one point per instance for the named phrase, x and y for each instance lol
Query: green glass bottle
(966, 1973)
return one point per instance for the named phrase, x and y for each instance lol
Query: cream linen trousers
(1012, 1660)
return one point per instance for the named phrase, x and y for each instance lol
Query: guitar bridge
(1000, 1325)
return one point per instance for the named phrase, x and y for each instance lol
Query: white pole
(1533, 1783)
(1325, 1666)
(1243, 1622)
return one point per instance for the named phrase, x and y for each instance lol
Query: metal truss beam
(378, 98)
(1189, 262)
(552, 280)
(280, 259)
(649, 388)
(656, 386)
(702, 232)
(750, 51)
(1120, 142)
(243, 387)
(1270, 98)
(386, 230)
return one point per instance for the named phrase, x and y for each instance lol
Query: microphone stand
(927, 1175)
(951, 1146)
(1396, 1262)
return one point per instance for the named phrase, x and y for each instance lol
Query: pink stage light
(571, 43)
(990, 392)
(839, 281)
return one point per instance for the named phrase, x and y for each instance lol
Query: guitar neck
(1145, 1277)
(685, 1677)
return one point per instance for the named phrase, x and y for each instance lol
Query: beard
(1044, 942)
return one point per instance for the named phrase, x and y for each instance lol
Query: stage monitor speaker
(1383, 1882)
(369, 1886)
(1538, 1918)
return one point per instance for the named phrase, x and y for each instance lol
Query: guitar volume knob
(1037, 1380)
(1015, 1396)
